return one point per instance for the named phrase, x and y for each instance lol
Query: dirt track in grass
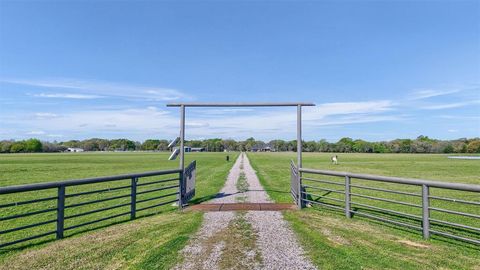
(244, 240)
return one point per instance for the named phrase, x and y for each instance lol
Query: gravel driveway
(244, 240)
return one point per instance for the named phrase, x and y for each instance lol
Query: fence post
(300, 197)
(425, 212)
(181, 190)
(348, 214)
(133, 197)
(60, 211)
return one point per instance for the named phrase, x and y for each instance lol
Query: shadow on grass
(398, 218)
(223, 195)
(271, 190)
(210, 197)
(14, 248)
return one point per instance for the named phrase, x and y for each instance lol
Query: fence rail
(169, 193)
(365, 201)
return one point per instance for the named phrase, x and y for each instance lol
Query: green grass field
(153, 241)
(335, 242)
(143, 241)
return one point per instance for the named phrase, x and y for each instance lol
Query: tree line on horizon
(422, 144)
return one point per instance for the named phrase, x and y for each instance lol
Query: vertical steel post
(60, 211)
(182, 137)
(299, 155)
(182, 156)
(133, 198)
(425, 212)
(348, 197)
(181, 189)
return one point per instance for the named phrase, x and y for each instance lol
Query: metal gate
(294, 181)
(188, 182)
(416, 208)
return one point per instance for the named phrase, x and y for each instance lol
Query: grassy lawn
(166, 232)
(334, 242)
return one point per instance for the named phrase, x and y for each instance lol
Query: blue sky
(376, 70)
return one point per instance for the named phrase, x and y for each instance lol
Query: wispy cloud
(36, 132)
(45, 115)
(450, 105)
(151, 121)
(359, 119)
(84, 89)
(338, 108)
(66, 95)
(55, 135)
(196, 125)
(429, 93)
(223, 111)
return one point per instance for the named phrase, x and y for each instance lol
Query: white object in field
(335, 160)
(464, 157)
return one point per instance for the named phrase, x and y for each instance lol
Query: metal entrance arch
(299, 106)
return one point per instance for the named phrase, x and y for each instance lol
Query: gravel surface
(277, 242)
(274, 239)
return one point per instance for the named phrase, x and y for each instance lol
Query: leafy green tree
(33, 145)
(473, 146)
(250, 143)
(345, 145)
(72, 143)
(323, 146)
(448, 149)
(5, 146)
(406, 146)
(162, 145)
(380, 148)
(311, 146)
(150, 145)
(90, 145)
(18, 147)
(122, 145)
(229, 144)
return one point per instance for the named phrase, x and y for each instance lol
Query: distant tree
(162, 145)
(406, 146)
(473, 146)
(33, 145)
(422, 144)
(419, 146)
(229, 144)
(90, 145)
(72, 143)
(122, 145)
(48, 147)
(292, 145)
(459, 146)
(103, 144)
(5, 146)
(361, 146)
(380, 147)
(345, 145)
(250, 143)
(150, 145)
(278, 145)
(323, 146)
(311, 146)
(448, 149)
(18, 147)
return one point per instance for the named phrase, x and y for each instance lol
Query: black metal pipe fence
(25, 215)
(447, 209)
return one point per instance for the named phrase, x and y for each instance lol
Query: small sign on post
(174, 154)
(188, 187)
